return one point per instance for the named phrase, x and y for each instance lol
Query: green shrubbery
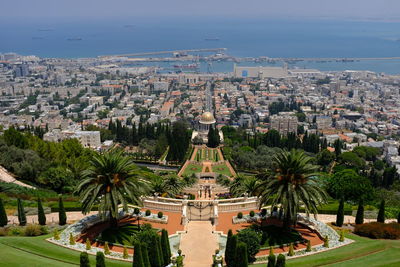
(240, 215)
(160, 214)
(378, 230)
(148, 212)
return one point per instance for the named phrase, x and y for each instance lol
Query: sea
(256, 37)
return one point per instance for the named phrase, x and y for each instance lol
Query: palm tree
(290, 184)
(170, 185)
(112, 179)
(244, 184)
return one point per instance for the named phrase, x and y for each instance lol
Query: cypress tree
(21, 213)
(381, 213)
(360, 212)
(160, 251)
(228, 247)
(309, 248)
(62, 216)
(291, 250)
(106, 248)
(271, 258)
(340, 213)
(166, 249)
(154, 253)
(398, 218)
(230, 258)
(100, 259)
(145, 255)
(41, 215)
(241, 255)
(3, 215)
(281, 261)
(84, 260)
(137, 256)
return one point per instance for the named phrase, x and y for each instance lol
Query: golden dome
(207, 118)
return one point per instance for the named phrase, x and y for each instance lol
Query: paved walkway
(198, 244)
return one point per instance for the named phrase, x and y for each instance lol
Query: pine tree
(241, 255)
(137, 256)
(100, 259)
(271, 258)
(3, 215)
(281, 261)
(360, 212)
(340, 213)
(41, 215)
(84, 260)
(21, 213)
(145, 255)
(62, 216)
(231, 251)
(381, 213)
(166, 249)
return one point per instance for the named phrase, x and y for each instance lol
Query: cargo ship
(187, 66)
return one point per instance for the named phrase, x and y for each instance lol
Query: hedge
(378, 230)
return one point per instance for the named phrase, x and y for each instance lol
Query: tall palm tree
(112, 179)
(290, 184)
(170, 185)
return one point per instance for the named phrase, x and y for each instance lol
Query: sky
(103, 9)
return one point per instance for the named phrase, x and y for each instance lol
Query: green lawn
(364, 252)
(36, 251)
(192, 168)
(222, 169)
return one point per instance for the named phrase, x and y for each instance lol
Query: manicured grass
(222, 169)
(191, 168)
(274, 235)
(206, 154)
(363, 252)
(36, 251)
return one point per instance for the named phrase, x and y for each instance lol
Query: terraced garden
(207, 154)
(191, 169)
(222, 169)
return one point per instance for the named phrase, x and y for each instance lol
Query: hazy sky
(19, 9)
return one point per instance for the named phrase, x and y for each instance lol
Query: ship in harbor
(211, 39)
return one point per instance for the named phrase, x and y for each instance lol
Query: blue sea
(242, 37)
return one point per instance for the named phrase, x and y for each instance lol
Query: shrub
(100, 259)
(341, 238)
(381, 213)
(41, 215)
(281, 261)
(230, 248)
(309, 248)
(263, 212)
(3, 232)
(326, 242)
(125, 253)
(106, 248)
(145, 254)
(148, 212)
(160, 214)
(240, 215)
(17, 231)
(378, 230)
(291, 250)
(3, 215)
(84, 260)
(62, 216)
(271, 258)
(252, 241)
(136, 211)
(88, 244)
(251, 213)
(32, 230)
(56, 235)
(71, 239)
(165, 247)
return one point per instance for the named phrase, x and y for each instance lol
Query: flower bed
(378, 230)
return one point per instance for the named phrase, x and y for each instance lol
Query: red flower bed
(378, 230)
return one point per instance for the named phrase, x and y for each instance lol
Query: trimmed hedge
(378, 230)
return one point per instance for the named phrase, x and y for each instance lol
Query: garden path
(198, 244)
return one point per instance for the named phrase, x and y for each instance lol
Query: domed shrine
(206, 121)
